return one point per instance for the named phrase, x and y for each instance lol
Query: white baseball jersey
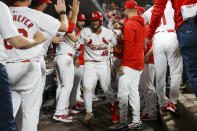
(97, 47)
(7, 28)
(46, 46)
(167, 20)
(28, 21)
(65, 47)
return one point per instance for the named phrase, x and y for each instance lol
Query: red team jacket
(158, 10)
(134, 35)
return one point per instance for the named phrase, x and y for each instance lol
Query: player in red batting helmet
(80, 21)
(96, 19)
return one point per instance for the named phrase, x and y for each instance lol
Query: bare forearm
(20, 42)
(64, 23)
(74, 17)
(149, 53)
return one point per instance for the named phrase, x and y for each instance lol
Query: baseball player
(95, 40)
(65, 76)
(9, 32)
(65, 73)
(166, 50)
(146, 86)
(26, 80)
(76, 98)
(185, 25)
(131, 67)
(116, 56)
(148, 98)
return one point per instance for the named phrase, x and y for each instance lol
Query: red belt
(26, 61)
(165, 30)
(20, 61)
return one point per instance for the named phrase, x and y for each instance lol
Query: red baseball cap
(47, 1)
(81, 17)
(130, 5)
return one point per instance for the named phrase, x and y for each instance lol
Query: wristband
(62, 13)
(71, 27)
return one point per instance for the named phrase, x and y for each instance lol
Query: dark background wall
(87, 6)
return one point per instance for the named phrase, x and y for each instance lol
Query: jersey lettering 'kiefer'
(24, 20)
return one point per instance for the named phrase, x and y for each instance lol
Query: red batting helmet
(96, 16)
(81, 17)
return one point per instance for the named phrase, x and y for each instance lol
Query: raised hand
(75, 6)
(60, 6)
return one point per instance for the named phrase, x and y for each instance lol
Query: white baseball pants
(148, 98)
(26, 81)
(65, 76)
(166, 51)
(76, 92)
(128, 91)
(94, 71)
(19, 116)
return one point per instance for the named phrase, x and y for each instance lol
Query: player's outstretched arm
(75, 11)
(60, 8)
(20, 42)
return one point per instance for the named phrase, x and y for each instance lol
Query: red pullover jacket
(134, 35)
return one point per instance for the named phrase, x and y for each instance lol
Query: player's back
(167, 20)
(28, 21)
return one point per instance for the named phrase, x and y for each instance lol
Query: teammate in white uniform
(166, 50)
(65, 76)
(76, 98)
(26, 81)
(96, 41)
(9, 31)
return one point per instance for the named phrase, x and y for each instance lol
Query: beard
(95, 28)
(80, 27)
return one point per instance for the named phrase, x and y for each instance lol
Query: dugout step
(188, 105)
(186, 116)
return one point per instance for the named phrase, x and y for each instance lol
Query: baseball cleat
(119, 127)
(134, 125)
(74, 111)
(171, 107)
(89, 117)
(63, 118)
(79, 104)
